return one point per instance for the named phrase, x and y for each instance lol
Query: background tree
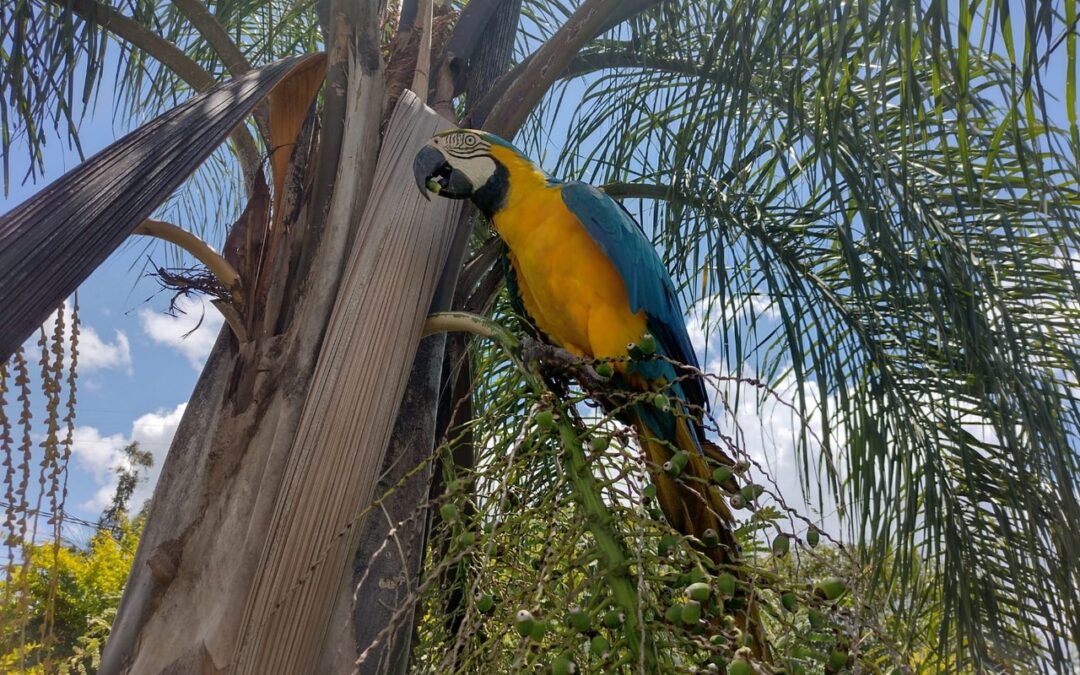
(128, 478)
(887, 180)
(58, 605)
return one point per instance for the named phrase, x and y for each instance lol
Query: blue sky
(136, 367)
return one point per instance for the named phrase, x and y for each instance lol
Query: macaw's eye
(462, 142)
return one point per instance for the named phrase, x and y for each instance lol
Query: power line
(64, 518)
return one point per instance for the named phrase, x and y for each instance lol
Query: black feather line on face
(491, 196)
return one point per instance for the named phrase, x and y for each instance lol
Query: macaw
(593, 284)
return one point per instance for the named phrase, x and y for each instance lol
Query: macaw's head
(465, 164)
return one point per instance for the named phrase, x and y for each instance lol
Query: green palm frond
(891, 179)
(50, 65)
(53, 60)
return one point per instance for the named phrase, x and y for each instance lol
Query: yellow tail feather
(693, 504)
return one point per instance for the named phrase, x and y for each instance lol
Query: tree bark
(347, 419)
(230, 483)
(212, 509)
(385, 570)
(386, 567)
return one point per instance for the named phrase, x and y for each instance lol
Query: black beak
(433, 173)
(427, 164)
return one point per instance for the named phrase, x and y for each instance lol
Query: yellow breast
(568, 286)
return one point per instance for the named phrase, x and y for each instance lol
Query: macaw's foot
(559, 361)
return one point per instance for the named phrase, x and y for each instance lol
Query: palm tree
(873, 201)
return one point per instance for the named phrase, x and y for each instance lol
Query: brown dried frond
(69, 417)
(187, 282)
(7, 446)
(52, 375)
(22, 381)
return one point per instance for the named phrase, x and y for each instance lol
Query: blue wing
(648, 283)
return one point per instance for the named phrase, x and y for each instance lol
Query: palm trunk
(274, 445)
(387, 564)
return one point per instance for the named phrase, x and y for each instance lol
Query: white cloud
(96, 453)
(191, 332)
(101, 455)
(154, 432)
(764, 423)
(94, 352)
(705, 315)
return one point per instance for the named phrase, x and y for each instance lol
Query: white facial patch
(477, 169)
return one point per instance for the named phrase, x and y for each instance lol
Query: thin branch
(622, 55)
(620, 190)
(625, 57)
(544, 67)
(218, 266)
(423, 55)
(559, 359)
(463, 322)
(515, 95)
(531, 350)
(207, 25)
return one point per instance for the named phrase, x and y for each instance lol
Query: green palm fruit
(698, 591)
(545, 419)
(725, 584)
(789, 601)
(723, 474)
(781, 545)
(831, 588)
(524, 622)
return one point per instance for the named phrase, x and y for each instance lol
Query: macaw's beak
(427, 164)
(434, 174)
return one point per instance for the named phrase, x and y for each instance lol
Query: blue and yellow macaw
(593, 284)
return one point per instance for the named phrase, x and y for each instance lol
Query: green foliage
(89, 582)
(562, 522)
(58, 600)
(876, 201)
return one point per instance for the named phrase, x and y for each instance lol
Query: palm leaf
(889, 179)
(50, 243)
